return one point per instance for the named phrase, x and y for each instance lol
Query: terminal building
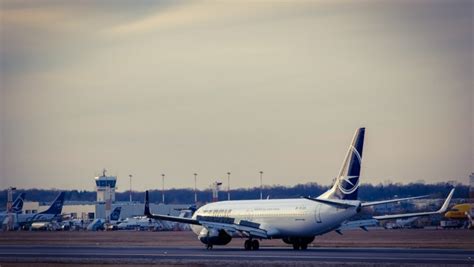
(105, 202)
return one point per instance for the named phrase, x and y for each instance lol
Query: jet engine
(214, 237)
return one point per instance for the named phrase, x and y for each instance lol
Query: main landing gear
(297, 246)
(209, 246)
(251, 244)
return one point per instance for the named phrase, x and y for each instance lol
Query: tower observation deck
(105, 187)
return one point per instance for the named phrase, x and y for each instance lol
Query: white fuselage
(280, 217)
(36, 217)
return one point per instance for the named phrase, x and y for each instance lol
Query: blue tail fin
(17, 205)
(57, 206)
(115, 215)
(346, 185)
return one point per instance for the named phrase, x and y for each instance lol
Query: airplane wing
(210, 222)
(416, 214)
(373, 203)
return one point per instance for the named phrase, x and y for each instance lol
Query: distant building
(105, 188)
(93, 210)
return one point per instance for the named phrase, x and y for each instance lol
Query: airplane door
(317, 213)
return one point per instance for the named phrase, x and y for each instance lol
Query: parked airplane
(295, 221)
(53, 212)
(101, 224)
(458, 212)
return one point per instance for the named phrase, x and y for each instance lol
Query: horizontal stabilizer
(332, 202)
(166, 217)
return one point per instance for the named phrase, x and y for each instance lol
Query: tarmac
(220, 255)
(420, 247)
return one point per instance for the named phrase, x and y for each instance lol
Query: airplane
(101, 224)
(458, 212)
(296, 221)
(53, 212)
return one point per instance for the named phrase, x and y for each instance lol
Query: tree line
(367, 192)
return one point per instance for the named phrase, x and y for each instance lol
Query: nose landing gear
(251, 244)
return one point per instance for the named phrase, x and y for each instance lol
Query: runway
(194, 254)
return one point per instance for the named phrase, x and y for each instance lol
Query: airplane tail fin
(346, 185)
(147, 204)
(115, 215)
(57, 206)
(17, 205)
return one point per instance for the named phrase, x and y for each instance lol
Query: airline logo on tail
(17, 206)
(348, 184)
(115, 216)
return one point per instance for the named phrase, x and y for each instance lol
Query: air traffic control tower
(105, 187)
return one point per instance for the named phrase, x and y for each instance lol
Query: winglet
(446, 202)
(147, 205)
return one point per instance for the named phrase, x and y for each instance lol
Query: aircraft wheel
(209, 247)
(296, 246)
(248, 245)
(304, 246)
(255, 245)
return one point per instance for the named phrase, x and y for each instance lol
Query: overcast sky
(145, 88)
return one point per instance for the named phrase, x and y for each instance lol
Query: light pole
(163, 188)
(195, 190)
(261, 193)
(130, 187)
(228, 185)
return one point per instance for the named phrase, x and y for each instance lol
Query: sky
(210, 87)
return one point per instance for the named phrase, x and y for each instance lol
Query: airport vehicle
(74, 224)
(451, 224)
(102, 224)
(52, 213)
(141, 223)
(295, 221)
(403, 223)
